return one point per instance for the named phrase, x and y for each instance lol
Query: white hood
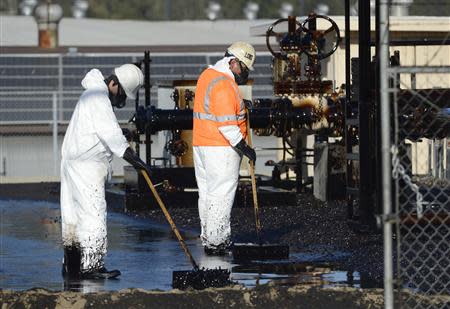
(94, 80)
(223, 66)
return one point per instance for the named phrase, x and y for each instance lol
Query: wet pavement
(145, 252)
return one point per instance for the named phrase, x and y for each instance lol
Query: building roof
(23, 31)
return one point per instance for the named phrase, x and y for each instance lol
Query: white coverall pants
(217, 173)
(83, 210)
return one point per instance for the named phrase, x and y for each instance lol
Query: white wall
(30, 159)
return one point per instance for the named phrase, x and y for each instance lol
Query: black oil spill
(147, 254)
(31, 252)
(201, 279)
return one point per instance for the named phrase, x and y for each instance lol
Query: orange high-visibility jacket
(218, 102)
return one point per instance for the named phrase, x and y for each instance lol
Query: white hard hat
(244, 52)
(130, 78)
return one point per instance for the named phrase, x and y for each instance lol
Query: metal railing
(26, 80)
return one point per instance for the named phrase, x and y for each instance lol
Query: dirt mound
(266, 296)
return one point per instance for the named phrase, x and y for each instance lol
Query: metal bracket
(388, 218)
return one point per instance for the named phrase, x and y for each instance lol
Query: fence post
(447, 159)
(60, 87)
(385, 153)
(440, 159)
(55, 133)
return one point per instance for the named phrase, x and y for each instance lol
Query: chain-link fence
(38, 93)
(421, 173)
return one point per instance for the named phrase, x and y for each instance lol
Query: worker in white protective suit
(92, 137)
(219, 132)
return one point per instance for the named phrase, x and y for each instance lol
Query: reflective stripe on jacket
(217, 103)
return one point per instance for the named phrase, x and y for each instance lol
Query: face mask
(118, 100)
(241, 79)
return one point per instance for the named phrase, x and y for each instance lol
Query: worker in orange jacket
(219, 134)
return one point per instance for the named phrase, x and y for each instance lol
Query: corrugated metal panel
(28, 82)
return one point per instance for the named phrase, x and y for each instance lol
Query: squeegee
(196, 278)
(259, 250)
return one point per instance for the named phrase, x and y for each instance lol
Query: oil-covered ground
(330, 265)
(315, 232)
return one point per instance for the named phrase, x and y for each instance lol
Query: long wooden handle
(252, 175)
(169, 219)
(255, 199)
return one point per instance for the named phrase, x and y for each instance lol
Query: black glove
(243, 149)
(128, 135)
(248, 104)
(131, 157)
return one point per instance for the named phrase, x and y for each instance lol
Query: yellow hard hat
(244, 52)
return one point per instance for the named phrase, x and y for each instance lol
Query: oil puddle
(31, 251)
(146, 254)
(291, 273)
(318, 265)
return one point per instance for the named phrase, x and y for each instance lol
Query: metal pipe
(385, 154)
(417, 69)
(365, 113)
(298, 164)
(60, 87)
(347, 50)
(417, 42)
(147, 77)
(348, 145)
(377, 114)
(312, 26)
(172, 119)
(156, 120)
(447, 156)
(148, 138)
(137, 138)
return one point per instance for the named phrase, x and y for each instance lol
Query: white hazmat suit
(92, 137)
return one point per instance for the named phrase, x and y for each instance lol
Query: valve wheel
(270, 32)
(319, 34)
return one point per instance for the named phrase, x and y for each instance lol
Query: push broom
(258, 251)
(196, 278)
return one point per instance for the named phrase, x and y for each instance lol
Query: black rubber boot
(72, 262)
(101, 273)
